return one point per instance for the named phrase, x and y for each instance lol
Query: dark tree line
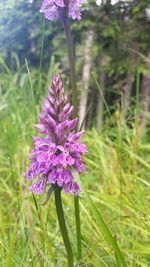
(111, 40)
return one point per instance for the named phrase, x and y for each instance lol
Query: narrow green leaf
(49, 193)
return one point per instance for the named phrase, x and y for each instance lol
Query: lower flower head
(58, 150)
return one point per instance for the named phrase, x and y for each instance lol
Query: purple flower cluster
(54, 156)
(52, 9)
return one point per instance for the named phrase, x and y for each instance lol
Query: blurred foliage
(21, 31)
(120, 46)
(117, 29)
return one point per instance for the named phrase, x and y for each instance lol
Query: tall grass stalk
(31, 88)
(103, 98)
(41, 54)
(137, 103)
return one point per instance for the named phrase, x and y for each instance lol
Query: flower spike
(59, 150)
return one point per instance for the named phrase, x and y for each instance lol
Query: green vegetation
(117, 183)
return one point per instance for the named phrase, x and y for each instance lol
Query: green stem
(71, 57)
(62, 224)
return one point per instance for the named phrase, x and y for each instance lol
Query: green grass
(117, 188)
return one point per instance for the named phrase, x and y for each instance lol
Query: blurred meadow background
(112, 44)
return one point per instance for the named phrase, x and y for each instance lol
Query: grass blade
(9, 258)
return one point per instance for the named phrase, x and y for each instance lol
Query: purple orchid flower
(52, 9)
(55, 155)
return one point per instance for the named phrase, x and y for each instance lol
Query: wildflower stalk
(71, 57)
(62, 225)
(75, 104)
